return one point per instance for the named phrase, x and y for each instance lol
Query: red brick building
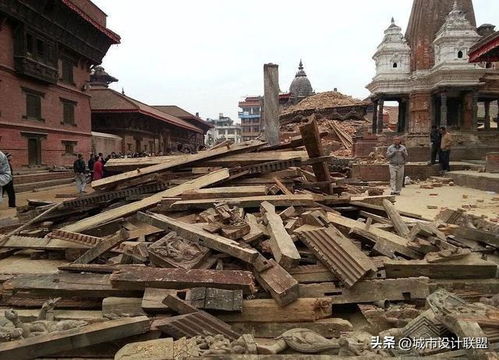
(47, 48)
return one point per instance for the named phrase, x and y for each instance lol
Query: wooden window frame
(33, 93)
(73, 104)
(70, 143)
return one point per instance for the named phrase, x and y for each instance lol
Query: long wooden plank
(31, 243)
(267, 310)
(228, 160)
(195, 233)
(43, 345)
(255, 201)
(128, 209)
(224, 192)
(66, 285)
(470, 267)
(173, 278)
(281, 244)
(184, 160)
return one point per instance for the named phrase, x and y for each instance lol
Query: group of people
(7, 178)
(397, 155)
(94, 167)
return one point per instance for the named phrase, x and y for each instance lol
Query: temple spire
(300, 66)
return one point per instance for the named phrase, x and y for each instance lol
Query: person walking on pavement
(435, 139)
(9, 188)
(5, 173)
(98, 168)
(397, 156)
(445, 147)
(80, 171)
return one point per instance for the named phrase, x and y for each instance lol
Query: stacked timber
(242, 250)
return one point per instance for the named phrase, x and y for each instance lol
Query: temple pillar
(486, 120)
(443, 109)
(375, 116)
(400, 120)
(271, 103)
(380, 116)
(474, 118)
(420, 108)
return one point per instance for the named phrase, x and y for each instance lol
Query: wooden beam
(44, 345)
(396, 243)
(32, 243)
(281, 244)
(254, 201)
(140, 278)
(267, 310)
(400, 226)
(226, 161)
(278, 282)
(470, 267)
(195, 233)
(131, 208)
(102, 247)
(225, 192)
(312, 140)
(111, 181)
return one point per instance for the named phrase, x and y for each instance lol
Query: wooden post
(271, 103)
(486, 120)
(474, 125)
(380, 116)
(375, 116)
(443, 109)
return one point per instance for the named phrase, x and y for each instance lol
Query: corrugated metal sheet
(338, 253)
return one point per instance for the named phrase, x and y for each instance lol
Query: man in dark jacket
(435, 139)
(9, 188)
(80, 171)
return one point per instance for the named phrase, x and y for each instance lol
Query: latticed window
(33, 106)
(68, 112)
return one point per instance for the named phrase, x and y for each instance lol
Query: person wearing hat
(5, 173)
(9, 188)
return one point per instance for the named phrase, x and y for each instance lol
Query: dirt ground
(415, 200)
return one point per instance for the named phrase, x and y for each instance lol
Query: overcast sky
(205, 55)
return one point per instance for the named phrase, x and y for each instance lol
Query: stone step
(41, 184)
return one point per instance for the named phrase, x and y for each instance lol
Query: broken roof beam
(278, 282)
(225, 192)
(173, 278)
(148, 202)
(281, 244)
(387, 240)
(400, 226)
(312, 140)
(340, 255)
(112, 181)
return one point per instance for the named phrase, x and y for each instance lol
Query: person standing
(91, 163)
(397, 156)
(444, 155)
(5, 173)
(98, 168)
(80, 171)
(9, 188)
(435, 139)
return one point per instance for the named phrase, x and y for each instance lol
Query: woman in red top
(98, 169)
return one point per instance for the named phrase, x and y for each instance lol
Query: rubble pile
(324, 100)
(241, 251)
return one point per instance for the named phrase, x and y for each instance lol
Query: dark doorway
(34, 151)
(138, 148)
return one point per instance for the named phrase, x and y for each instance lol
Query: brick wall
(14, 128)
